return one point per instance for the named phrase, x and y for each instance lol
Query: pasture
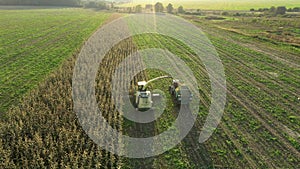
(39, 128)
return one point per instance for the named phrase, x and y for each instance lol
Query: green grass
(35, 42)
(257, 100)
(223, 4)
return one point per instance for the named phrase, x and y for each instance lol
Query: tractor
(180, 92)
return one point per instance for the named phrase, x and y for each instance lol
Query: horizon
(217, 4)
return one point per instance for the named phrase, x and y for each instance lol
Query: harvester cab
(141, 85)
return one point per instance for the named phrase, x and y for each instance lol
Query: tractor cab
(181, 92)
(175, 83)
(174, 86)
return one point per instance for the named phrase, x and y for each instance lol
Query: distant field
(277, 29)
(222, 4)
(9, 7)
(34, 42)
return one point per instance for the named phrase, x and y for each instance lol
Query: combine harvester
(143, 97)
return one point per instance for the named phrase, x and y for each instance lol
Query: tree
(225, 13)
(91, 4)
(296, 9)
(273, 9)
(112, 5)
(263, 9)
(158, 7)
(138, 9)
(237, 14)
(281, 10)
(180, 9)
(170, 8)
(129, 9)
(94, 4)
(102, 5)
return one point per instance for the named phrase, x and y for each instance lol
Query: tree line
(280, 10)
(159, 7)
(42, 2)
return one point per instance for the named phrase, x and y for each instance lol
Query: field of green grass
(257, 120)
(259, 129)
(35, 42)
(221, 4)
